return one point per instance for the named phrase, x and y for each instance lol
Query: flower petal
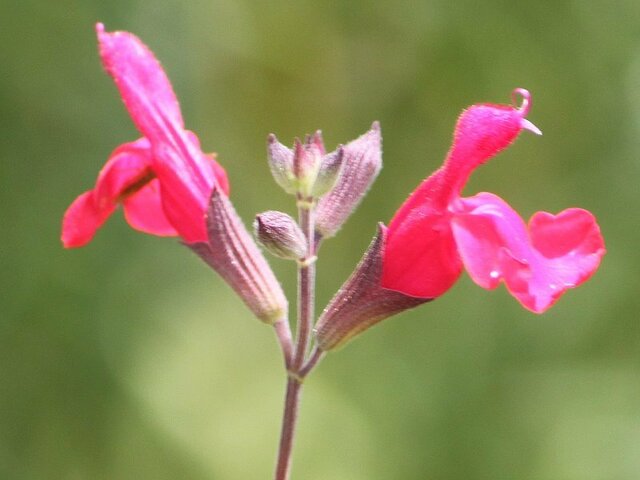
(184, 199)
(144, 212)
(420, 257)
(185, 173)
(562, 252)
(127, 170)
(82, 219)
(124, 177)
(572, 230)
(145, 88)
(183, 204)
(210, 160)
(220, 174)
(149, 98)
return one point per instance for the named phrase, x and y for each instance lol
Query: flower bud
(281, 164)
(280, 235)
(307, 159)
(330, 169)
(362, 161)
(233, 254)
(361, 302)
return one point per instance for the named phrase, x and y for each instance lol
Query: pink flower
(163, 180)
(436, 231)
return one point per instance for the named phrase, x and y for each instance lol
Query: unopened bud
(280, 235)
(304, 170)
(281, 164)
(329, 172)
(362, 161)
(361, 302)
(232, 253)
(307, 159)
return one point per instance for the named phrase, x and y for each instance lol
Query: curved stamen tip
(525, 106)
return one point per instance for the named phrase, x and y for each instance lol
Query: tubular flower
(436, 232)
(163, 180)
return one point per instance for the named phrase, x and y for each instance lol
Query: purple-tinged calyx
(306, 170)
(233, 254)
(328, 173)
(361, 163)
(361, 302)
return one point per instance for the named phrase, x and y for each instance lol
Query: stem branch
(313, 360)
(283, 333)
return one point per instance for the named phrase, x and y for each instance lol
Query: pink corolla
(437, 232)
(163, 180)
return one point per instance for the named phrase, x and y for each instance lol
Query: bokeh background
(129, 359)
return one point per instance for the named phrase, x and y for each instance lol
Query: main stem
(291, 403)
(306, 297)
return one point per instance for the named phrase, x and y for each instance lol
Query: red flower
(436, 231)
(163, 180)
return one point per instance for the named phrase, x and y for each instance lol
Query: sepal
(361, 302)
(329, 172)
(280, 160)
(233, 254)
(307, 158)
(362, 161)
(305, 170)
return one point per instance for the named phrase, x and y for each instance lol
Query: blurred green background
(129, 359)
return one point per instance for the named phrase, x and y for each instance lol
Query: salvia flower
(437, 232)
(163, 180)
(167, 185)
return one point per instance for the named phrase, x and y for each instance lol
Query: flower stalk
(299, 367)
(306, 282)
